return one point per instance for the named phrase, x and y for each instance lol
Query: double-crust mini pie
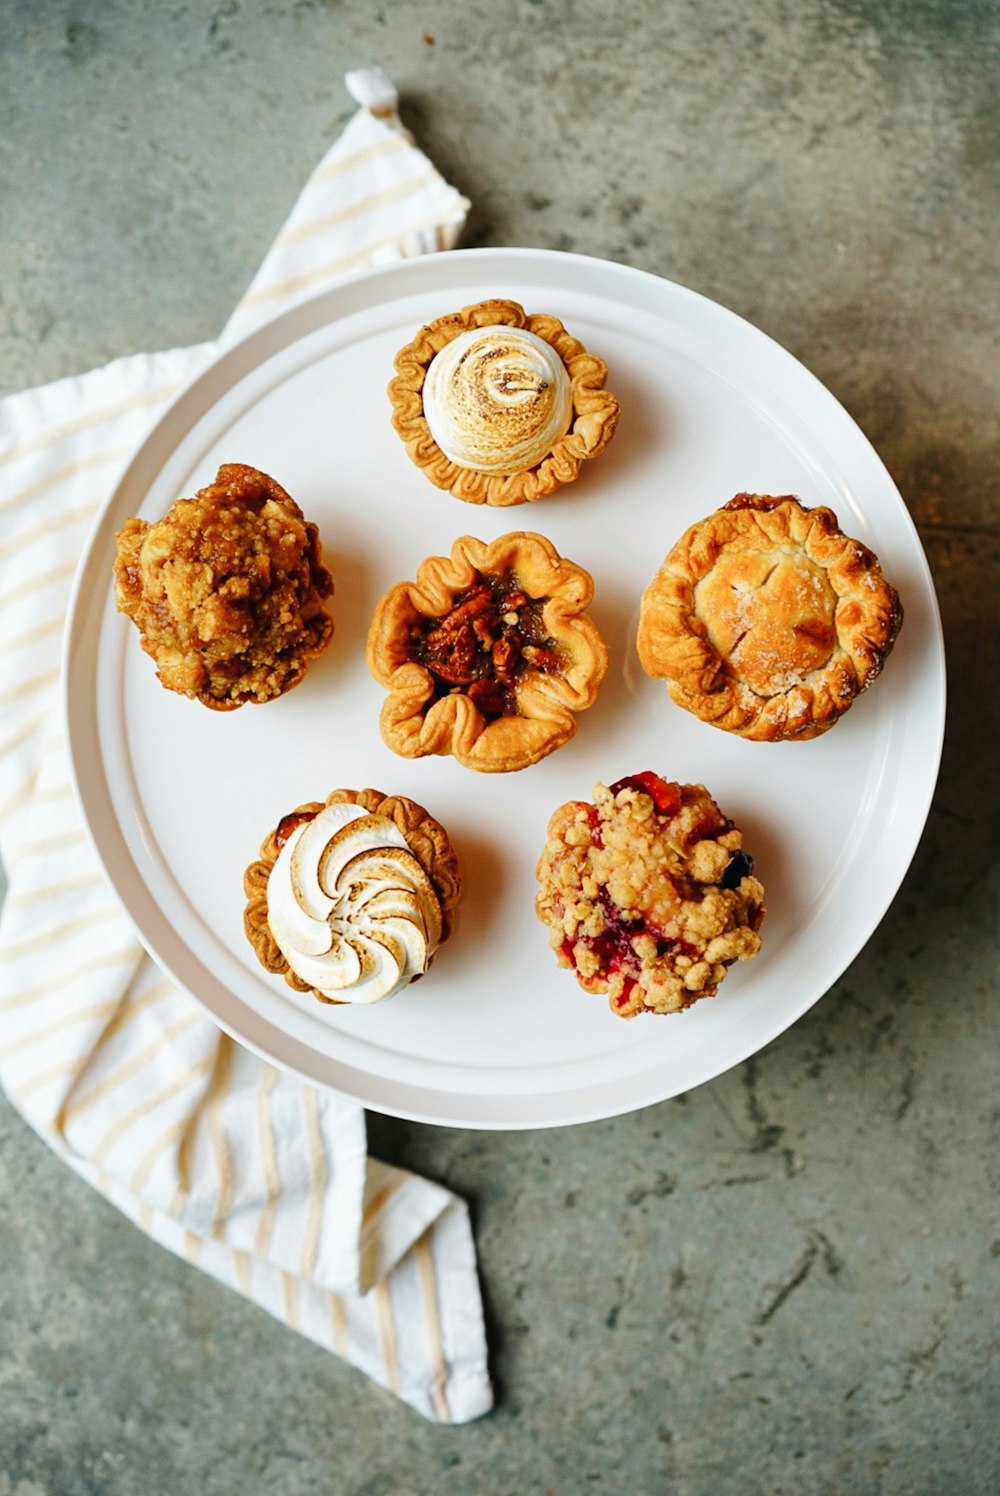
(500, 407)
(767, 620)
(227, 590)
(488, 655)
(351, 898)
(647, 894)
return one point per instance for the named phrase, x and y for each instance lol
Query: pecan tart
(227, 590)
(767, 620)
(500, 407)
(488, 655)
(647, 894)
(351, 897)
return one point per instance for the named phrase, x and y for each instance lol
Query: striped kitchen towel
(261, 1180)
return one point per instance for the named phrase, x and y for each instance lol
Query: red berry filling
(665, 795)
(647, 894)
(614, 948)
(594, 817)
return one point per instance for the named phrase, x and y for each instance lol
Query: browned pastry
(767, 620)
(525, 417)
(392, 866)
(488, 655)
(227, 590)
(647, 894)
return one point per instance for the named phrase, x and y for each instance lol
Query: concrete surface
(785, 1281)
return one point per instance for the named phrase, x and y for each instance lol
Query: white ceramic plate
(177, 798)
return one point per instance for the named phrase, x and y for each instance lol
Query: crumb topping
(647, 894)
(227, 590)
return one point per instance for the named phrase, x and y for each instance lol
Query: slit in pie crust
(767, 620)
(496, 398)
(488, 655)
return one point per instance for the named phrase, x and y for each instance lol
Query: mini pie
(227, 590)
(351, 897)
(647, 894)
(500, 407)
(767, 620)
(488, 654)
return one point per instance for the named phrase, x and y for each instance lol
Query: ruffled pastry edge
(426, 837)
(414, 725)
(674, 646)
(595, 409)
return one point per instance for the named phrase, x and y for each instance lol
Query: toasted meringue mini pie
(488, 655)
(350, 899)
(500, 407)
(227, 590)
(767, 620)
(647, 894)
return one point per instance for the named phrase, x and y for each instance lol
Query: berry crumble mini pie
(500, 407)
(488, 655)
(227, 590)
(647, 894)
(767, 620)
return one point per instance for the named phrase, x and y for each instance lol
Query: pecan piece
(531, 622)
(451, 655)
(505, 658)
(541, 658)
(485, 628)
(478, 601)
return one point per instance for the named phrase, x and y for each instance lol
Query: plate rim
(412, 1101)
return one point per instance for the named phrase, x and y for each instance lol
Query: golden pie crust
(488, 655)
(426, 838)
(767, 620)
(227, 590)
(595, 409)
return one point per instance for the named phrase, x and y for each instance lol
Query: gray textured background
(781, 1282)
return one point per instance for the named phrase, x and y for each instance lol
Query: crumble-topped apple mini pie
(500, 407)
(488, 654)
(227, 590)
(351, 898)
(767, 620)
(647, 894)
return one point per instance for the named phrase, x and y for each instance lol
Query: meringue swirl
(351, 909)
(497, 399)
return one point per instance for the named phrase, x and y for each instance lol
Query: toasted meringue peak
(350, 907)
(497, 399)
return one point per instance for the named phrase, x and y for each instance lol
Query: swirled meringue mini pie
(351, 898)
(488, 655)
(227, 590)
(647, 894)
(767, 620)
(500, 407)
